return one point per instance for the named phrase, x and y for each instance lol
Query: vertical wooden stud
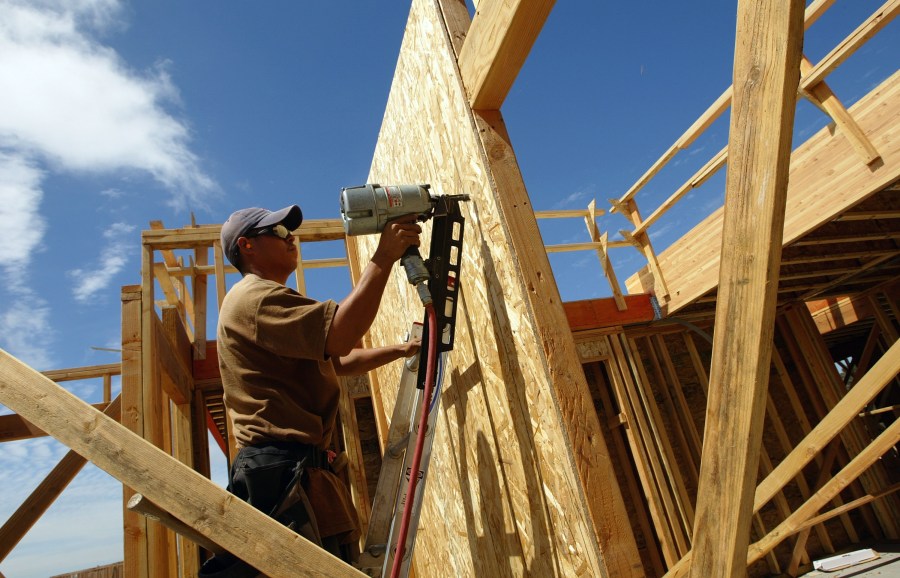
(766, 72)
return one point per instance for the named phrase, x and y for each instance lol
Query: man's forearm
(360, 360)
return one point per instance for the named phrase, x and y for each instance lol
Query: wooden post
(199, 284)
(151, 406)
(766, 73)
(181, 426)
(135, 525)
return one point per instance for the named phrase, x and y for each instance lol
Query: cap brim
(291, 217)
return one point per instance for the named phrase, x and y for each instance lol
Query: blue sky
(115, 113)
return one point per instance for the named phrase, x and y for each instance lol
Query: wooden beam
(205, 235)
(587, 246)
(855, 437)
(234, 524)
(647, 460)
(613, 421)
(565, 375)
(219, 264)
(498, 42)
(863, 237)
(298, 274)
(142, 505)
(679, 408)
(135, 526)
(826, 180)
(700, 177)
(711, 114)
(869, 215)
(356, 472)
(837, 312)
(87, 372)
(14, 427)
(797, 521)
(186, 304)
(641, 242)
(766, 69)
(590, 220)
(878, 20)
(180, 383)
(715, 110)
(799, 259)
(822, 96)
(681, 513)
(822, 287)
(153, 405)
(181, 420)
(199, 286)
(165, 283)
(456, 14)
(596, 313)
(828, 428)
(847, 507)
(571, 213)
(43, 496)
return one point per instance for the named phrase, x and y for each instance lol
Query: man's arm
(361, 360)
(356, 313)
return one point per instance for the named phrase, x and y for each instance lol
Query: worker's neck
(269, 275)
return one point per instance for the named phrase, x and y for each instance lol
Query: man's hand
(396, 238)
(411, 347)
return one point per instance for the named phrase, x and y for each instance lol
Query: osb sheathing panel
(503, 497)
(826, 178)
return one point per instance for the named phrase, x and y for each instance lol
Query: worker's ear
(244, 243)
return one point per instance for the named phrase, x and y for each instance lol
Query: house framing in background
(735, 406)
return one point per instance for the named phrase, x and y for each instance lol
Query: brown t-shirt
(279, 385)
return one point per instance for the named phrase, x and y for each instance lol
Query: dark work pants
(261, 476)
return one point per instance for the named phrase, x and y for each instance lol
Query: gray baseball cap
(242, 221)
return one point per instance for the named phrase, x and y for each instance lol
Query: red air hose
(420, 440)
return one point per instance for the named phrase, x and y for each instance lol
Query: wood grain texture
(766, 72)
(173, 486)
(519, 459)
(498, 42)
(826, 178)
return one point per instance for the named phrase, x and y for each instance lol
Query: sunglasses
(278, 230)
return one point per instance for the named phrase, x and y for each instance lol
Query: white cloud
(112, 193)
(577, 196)
(113, 259)
(68, 103)
(73, 102)
(25, 331)
(20, 219)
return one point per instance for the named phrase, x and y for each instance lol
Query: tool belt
(293, 508)
(269, 476)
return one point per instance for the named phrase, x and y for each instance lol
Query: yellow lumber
(766, 68)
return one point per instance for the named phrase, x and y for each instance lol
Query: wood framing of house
(604, 438)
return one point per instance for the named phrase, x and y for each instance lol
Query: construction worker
(279, 357)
